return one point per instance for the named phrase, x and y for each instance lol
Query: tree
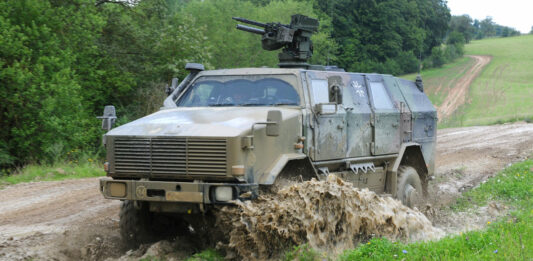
(146, 45)
(463, 24)
(378, 35)
(531, 32)
(487, 28)
(42, 110)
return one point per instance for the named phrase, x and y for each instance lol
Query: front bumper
(169, 191)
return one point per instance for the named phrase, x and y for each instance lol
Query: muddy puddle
(329, 215)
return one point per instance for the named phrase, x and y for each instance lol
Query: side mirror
(172, 87)
(326, 108)
(273, 120)
(109, 117)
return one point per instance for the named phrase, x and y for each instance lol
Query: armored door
(329, 128)
(385, 117)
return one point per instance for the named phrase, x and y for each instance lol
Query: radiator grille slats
(169, 157)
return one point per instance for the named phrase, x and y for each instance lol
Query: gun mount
(295, 39)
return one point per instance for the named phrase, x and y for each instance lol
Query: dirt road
(458, 94)
(70, 219)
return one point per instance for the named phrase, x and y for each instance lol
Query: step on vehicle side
(223, 134)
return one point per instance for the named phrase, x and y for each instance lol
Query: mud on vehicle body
(223, 134)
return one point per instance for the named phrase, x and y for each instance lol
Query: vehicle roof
(267, 70)
(244, 71)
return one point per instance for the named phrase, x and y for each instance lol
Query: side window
(320, 91)
(358, 90)
(380, 97)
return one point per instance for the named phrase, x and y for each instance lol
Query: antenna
(419, 61)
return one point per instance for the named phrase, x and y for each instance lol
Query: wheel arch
(410, 155)
(284, 164)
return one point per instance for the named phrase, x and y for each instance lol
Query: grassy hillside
(439, 81)
(503, 91)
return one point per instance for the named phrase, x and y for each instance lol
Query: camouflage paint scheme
(358, 141)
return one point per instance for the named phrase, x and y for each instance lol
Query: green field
(503, 92)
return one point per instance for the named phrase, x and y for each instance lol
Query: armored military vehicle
(224, 135)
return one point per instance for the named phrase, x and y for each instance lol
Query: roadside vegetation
(69, 165)
(58, 171)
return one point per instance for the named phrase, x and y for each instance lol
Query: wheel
(135, 224)
(140, 226)
(409, 188)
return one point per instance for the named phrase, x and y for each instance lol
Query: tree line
(475, 29)
(62, 60)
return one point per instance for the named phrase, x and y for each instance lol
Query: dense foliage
(387, 36)
(62, 60)
(46, 59)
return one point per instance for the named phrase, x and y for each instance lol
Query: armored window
(358, 90)
(200, 94)
(380, 97)
(320, 91)
(243, 90)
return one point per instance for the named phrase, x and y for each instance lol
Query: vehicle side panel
(424, 117)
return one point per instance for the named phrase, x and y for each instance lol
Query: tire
(135, 224)
(409, 187)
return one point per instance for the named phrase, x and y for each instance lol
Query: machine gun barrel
(250, 29)
(246, 21)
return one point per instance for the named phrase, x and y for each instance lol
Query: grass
(502, 92)
(438, 81)
(205, 255)
(59, 171)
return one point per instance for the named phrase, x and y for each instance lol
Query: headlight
(116, 189)
(223, 194)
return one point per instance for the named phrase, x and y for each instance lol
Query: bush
(451, 53)
(407, 62)
(437, 57)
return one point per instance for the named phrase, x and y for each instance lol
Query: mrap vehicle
(224, 135)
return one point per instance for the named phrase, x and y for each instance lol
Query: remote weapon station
(231, 134)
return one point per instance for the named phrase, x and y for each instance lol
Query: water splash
(329, 215)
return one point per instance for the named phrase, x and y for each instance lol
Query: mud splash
(328, 215)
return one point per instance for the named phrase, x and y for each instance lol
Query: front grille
(169, 157)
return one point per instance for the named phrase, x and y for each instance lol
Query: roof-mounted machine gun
(295, 39)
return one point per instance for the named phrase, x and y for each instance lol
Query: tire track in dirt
(54, 219)
(457, 95)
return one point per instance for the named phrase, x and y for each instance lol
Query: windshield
(242, 90)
